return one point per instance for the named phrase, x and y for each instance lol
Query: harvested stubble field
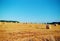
(28, 32)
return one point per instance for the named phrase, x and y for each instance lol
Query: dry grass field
(28, 32)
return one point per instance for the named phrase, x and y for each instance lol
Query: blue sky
(30, 10)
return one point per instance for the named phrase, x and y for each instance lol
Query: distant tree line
(19, 22)
(9, 21)
(54, 23)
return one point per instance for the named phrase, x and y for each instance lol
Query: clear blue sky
(30, 10)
